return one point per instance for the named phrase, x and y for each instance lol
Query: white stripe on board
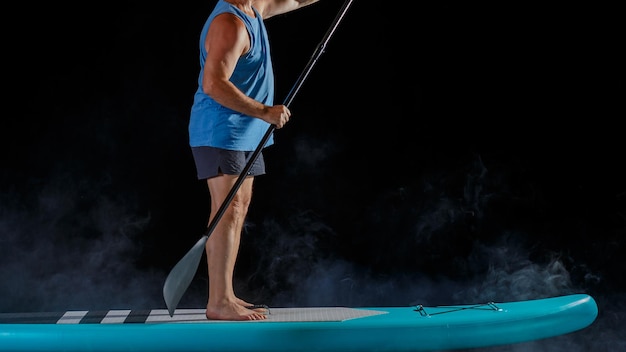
(115, 316)
(180, 315)
(72, 317)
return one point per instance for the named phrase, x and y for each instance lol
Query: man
(231, 112)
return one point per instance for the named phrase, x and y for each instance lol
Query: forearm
(278, 7)
(226, 94)
(302, 3)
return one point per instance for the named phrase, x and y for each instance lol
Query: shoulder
(228, 21)
(228, 27)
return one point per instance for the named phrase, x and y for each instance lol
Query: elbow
(208, 87)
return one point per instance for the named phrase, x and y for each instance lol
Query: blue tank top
(212, 124)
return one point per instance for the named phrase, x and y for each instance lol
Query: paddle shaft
(182, 273)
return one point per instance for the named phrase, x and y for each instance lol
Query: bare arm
(226, 41)
(269, 8)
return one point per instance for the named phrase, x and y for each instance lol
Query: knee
(239, 207)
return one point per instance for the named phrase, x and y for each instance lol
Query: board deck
(313, 314)
(415, 328)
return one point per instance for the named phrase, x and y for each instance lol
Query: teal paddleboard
(414, 328)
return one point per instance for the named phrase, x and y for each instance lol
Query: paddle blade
(181, 275)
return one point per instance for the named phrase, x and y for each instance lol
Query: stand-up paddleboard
(415, 328)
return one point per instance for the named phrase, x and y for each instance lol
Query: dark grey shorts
(211, 162)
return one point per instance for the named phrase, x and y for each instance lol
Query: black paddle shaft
(294, 90)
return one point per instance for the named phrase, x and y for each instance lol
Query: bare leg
(222, 248)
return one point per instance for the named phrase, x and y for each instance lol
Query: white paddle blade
(182, 274)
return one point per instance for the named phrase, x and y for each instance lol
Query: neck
(243, 5)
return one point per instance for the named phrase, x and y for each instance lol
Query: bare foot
(232, 311)
(256, 308)
(242, 303)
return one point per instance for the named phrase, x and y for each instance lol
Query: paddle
(182, 274)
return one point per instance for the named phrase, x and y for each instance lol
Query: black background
(439, 153)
